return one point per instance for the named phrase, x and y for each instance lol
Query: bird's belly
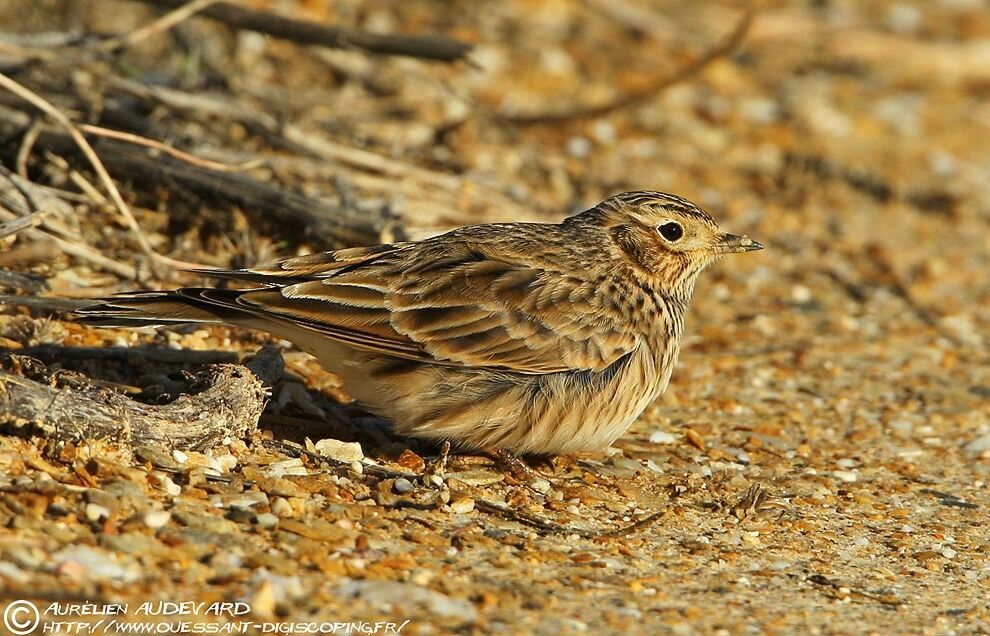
(594, 421)
(562, 413)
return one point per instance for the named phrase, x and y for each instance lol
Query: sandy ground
(822, 456)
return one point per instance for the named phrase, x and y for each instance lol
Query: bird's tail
(156, 309)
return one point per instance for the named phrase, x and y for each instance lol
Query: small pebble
(180, 456)
(848, 476)
(171, 487)
(266, 521)
(341, 451)
(540, 485)
(662, 437)
(402, 486)
(281, 507)
(96, 512)
(156, 519)
(462, 505)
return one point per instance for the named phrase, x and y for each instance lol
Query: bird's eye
(671, 231)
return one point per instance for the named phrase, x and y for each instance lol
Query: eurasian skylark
(519, 337)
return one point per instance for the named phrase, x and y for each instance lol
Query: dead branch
(169, 20)
(21, 223)
(138, 140)
(227, 402)
(723, 48)
(358, 163)
(437, 48)
(13, 280)
(325, 223)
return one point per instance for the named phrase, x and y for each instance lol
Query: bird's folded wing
(461, 309)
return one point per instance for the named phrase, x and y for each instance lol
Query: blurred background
(851, 137)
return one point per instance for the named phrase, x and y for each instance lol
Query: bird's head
(667, 236)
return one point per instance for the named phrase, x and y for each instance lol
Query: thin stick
(38, 102)
(22, 223)
(438, 48)
(164, 23)
(27, 143)
(725, 47)
(138, 140)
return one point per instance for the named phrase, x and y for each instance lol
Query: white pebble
(848, 476)
(540, 485)
(578, 147)
(462, 506)
(281, 507)
(96, 512)
(662, 437)
(801, 294)
(180, 456)
(340, 451)
(226, 462)
(156, 519)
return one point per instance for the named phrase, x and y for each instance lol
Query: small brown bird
(515, 337)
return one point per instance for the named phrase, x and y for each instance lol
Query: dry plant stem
(175, 152)
(164, 23)
(21, 223)
(20, 198)
(308, 142)
(13, 280)
(230, 406)
(307, 32)
(725, 47)
(87, 150)
(101, 171)
(27, 143)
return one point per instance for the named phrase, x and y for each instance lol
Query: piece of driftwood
(431, 47)
(227, 402)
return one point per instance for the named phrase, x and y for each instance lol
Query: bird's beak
(734, 243)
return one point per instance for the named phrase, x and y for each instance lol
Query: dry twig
(180, 14)
(60, 118)
(307, 32)
(181, 155)
(723, 48)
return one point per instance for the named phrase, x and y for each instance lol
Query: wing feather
(461, 307)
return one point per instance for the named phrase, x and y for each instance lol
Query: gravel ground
(820, 461)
